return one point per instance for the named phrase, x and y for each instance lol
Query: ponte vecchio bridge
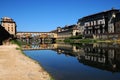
(33, 36)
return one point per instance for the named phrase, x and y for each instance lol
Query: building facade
(9, 24)
(67, 31)
(93, 26)
(117, 23)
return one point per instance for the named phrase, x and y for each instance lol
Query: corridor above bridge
(36, 34)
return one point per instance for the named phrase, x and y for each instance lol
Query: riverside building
(9, 24)
(99, 25)
(67, 31)
(117, 23)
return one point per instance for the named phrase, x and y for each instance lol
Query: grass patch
(87, 41)
(19, 44)
(80, 41)
(76, 37)
(16, 42)
(18, 48)
(52, 78)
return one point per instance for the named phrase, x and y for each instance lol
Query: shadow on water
(78, 61)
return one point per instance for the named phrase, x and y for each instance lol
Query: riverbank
(89, 41)
(16, 66)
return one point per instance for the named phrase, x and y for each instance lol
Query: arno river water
(78, 61)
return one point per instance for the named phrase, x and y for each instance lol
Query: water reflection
(39, 46)
(102, 56)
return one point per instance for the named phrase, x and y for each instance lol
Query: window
(8, 28)
(12, 29)
(117, 25)
(103, 30)
(11, 25)
(8, 25)
(98, 31)
(101, 22)
(94, 22)
(87, 24)
(91, 23)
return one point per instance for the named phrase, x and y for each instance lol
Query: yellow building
(67, 31)
(9, 24)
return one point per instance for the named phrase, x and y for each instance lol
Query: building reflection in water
(102, 56)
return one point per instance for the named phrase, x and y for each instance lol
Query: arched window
(76, 33)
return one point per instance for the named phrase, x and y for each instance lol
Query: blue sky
(47, 15)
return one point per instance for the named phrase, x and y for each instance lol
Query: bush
(16, 42)
(76, 37)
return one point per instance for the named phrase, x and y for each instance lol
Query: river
(78, 61)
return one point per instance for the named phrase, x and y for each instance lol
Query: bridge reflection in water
(39, 47)
(102, 56)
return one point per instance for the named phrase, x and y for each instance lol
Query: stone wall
(112, 36)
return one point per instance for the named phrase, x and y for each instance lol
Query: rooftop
(100, 13)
